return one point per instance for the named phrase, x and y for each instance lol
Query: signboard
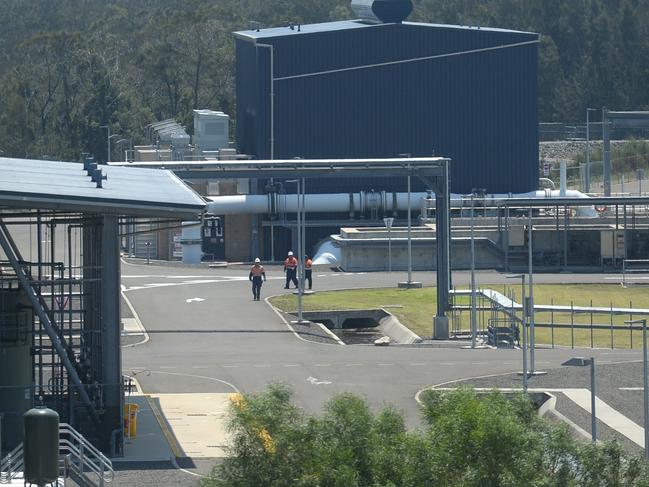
(388, 222)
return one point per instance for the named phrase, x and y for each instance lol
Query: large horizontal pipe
(361, 201)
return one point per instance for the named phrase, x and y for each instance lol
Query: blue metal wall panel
(479, 109)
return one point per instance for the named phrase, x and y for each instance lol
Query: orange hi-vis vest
(290, 263)
(307, 264)
(257, 270)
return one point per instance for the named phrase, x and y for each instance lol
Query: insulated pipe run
(363, 201)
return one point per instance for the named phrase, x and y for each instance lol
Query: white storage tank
(211, 130)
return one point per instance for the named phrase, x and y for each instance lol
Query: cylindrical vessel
(41, 446)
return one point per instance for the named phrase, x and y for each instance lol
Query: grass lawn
(415, 308)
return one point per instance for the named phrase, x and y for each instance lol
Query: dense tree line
(69, 67)
(467, 440)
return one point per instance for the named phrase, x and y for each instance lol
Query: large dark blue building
(356, 89)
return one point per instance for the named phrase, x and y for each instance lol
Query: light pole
(530, 284)
(645, 384)
(523, 326)
(388, 224)
(588, 110)
(300, 244)
(474, 325)
(581, 362)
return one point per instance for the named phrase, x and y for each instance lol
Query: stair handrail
(12, 465)
(83, 456)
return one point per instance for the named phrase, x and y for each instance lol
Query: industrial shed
(358, 89)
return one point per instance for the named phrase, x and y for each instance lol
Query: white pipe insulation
(363, 201)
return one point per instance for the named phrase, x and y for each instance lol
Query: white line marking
(199, 366)
(230, 366)
(631, 388)
(417, 364)
(385, 364)
(168, 367)
(447, 364)
(194, 300)
(291, 365)
(261, 366)
(322, 365)
(353, 365)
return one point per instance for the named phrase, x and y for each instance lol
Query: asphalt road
(224, 341)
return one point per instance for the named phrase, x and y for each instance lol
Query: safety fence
(554, 325)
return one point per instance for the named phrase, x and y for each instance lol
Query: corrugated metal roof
(274, 32)
(29, 183)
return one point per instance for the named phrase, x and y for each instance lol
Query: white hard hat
(257, 260)
(290, 252)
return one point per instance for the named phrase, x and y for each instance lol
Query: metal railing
(83, 458)
(11, 466)
(79, 457)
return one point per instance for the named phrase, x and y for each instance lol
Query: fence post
(631, 326)
(552, 320)
(612, 347)
(591, 324)
(572, 324)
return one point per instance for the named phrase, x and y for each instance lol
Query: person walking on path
(256, 274)
(308, 270)
(290, 267)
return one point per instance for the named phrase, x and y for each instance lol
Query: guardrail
(83, 458)
(634, 266)
(12, 465)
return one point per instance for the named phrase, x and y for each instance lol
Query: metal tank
(15, 364)
(41, 452)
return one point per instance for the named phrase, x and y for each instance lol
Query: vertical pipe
(299, 249)
(473, 293)
(593, 393)
(524, 326)
(587, 185)
(409, 233)
(563, 183)
(645, 388)
(530, 284)
(389, 250)
(607, 152)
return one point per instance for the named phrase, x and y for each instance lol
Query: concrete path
(607, 414)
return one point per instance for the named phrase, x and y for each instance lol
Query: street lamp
(588, 110)
(108, 137)
(523, 326)
(581, 362)
(301, 214)
(474, 325)
(388, 224)
(645, 383)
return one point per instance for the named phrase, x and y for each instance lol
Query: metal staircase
(79, 460)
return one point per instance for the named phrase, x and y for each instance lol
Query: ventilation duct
(386, 11)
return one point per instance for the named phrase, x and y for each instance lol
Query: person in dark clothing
(308, 268)
(290, 267)
(256, 275)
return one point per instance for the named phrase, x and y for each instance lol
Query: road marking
(168, 367)
(230, 366)
(199, 366)
(385, 364)
(261, 366)
(479, 363)
(291, 365)
(322, 365)
(447, 364)
(631, 388)
(317, 382)
(353, 365)
(417, 364)
(194, 300)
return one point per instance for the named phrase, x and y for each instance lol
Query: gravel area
(309, 331)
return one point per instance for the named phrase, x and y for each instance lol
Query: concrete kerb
(138, 322)
(326, 330)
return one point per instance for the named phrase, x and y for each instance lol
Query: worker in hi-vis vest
(308, 268)
(256, 275)
(290, 267)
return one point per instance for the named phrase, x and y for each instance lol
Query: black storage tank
(41, 450)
